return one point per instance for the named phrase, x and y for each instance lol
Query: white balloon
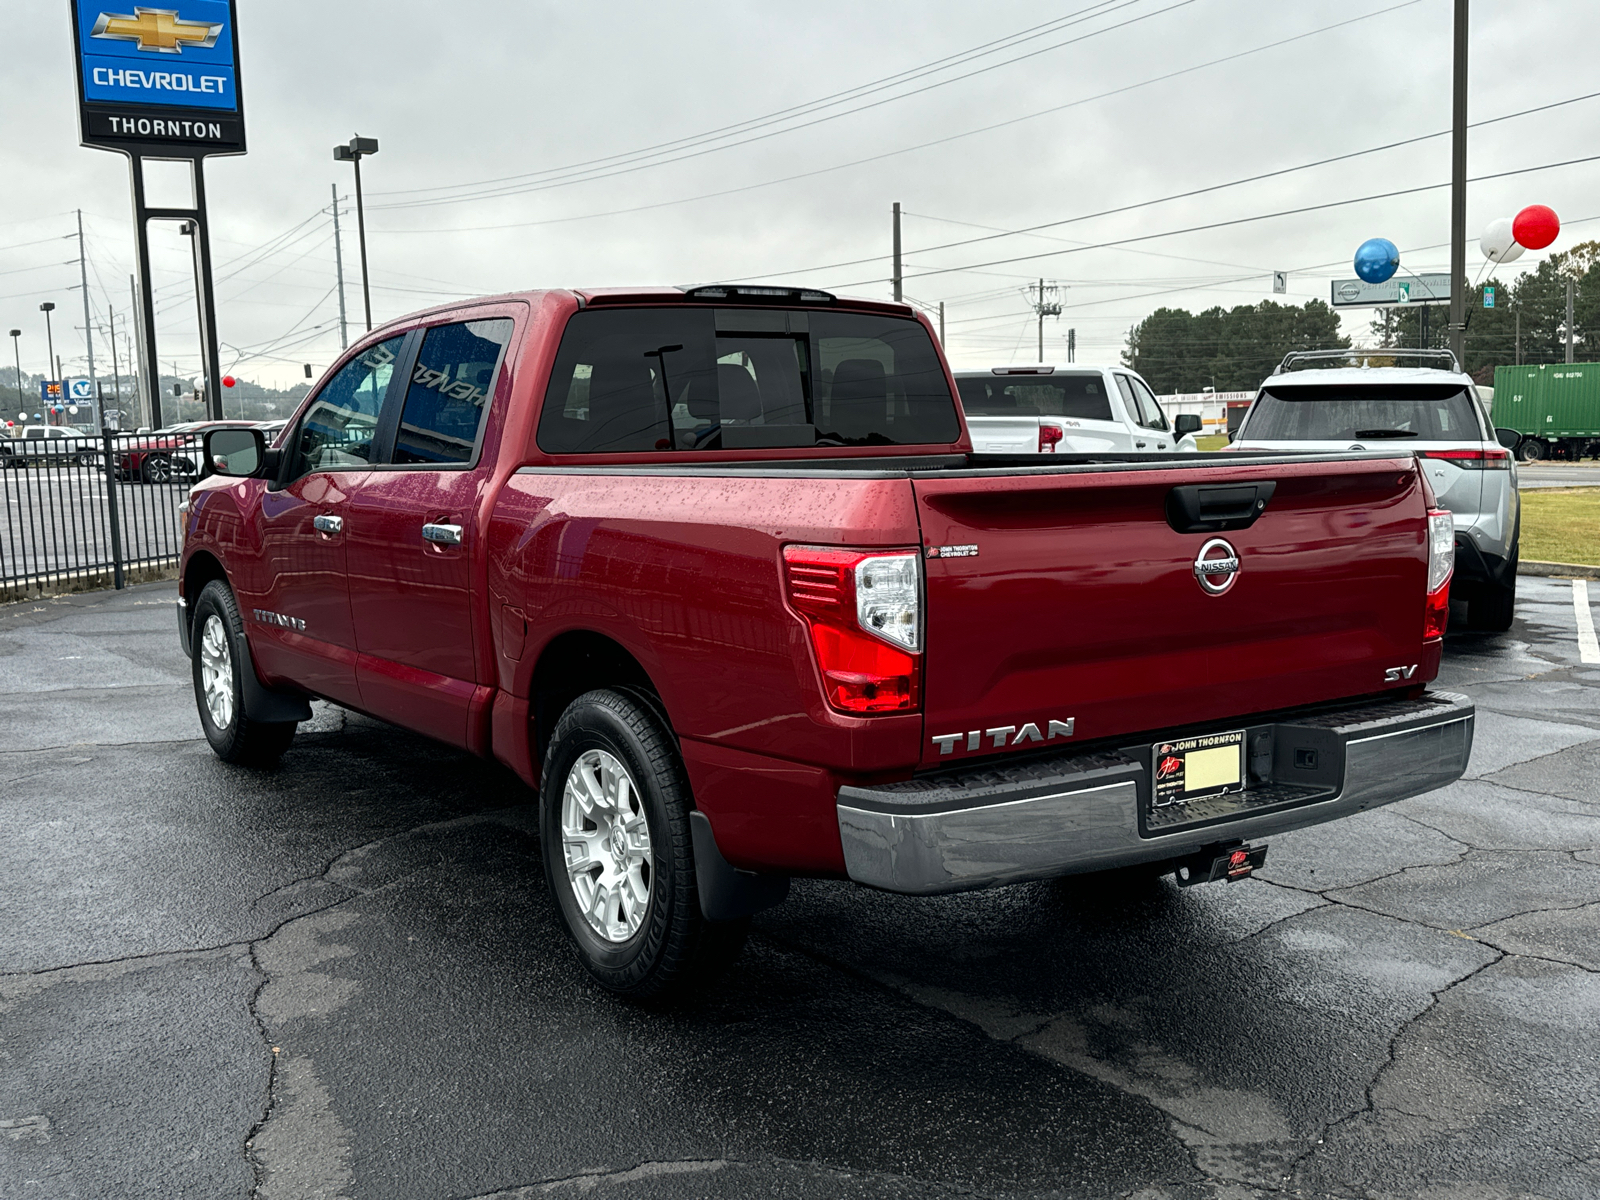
(1497, 244)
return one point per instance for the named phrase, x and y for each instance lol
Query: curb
(1564, 570)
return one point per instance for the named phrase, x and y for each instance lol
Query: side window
(336, 431)
(449, 391)
(1129, 404)
(1153, 417)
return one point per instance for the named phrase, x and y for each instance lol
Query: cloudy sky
(531, 144)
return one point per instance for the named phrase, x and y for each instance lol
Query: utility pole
(1519, 335)
(1458, 191)
(1569, 318)
(1045, 308)
(143, 379)
(1072, 345)
(898, 276)
(88, 327)
(16, 355)
(338, 268)
(941, 324)
(116, 370)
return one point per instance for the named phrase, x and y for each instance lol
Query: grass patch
(1215, 441)
(1561, 525)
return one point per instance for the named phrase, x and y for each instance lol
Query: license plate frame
(1215, 762)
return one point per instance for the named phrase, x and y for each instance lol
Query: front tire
(157, 468)
(220, 653)
(618, 853)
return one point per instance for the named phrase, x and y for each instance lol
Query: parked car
(169, 453)
(1067, 410)
(37, 445)
(1431, 411)
(718, 572)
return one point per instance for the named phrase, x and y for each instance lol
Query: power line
(920, 145)
(611, 173)
(970, 54)
(1287, 212)
(1190, 194)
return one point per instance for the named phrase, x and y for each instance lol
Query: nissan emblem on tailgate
(1216, 566)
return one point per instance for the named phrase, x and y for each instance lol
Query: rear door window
(1371, 413)
(690, 378)
(449, 392)
(1080, 397)
(1150, 414)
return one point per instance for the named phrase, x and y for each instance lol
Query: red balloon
(228, 381)
(1535, 226)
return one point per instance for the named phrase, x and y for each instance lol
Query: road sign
(1280, 282)
(1418, 289)
(1488, 297)
(50, 391)
(159, 77)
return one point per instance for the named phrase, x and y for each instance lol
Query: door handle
(327, 524)
(1140, 445)
(444, 535)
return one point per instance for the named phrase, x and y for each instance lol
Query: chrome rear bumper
(1000, 823)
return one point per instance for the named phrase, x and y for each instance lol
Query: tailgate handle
(1217, 507)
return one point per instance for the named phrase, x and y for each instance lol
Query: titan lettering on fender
(1001, 736)
(278, 619)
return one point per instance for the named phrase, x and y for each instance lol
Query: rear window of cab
(692, 378)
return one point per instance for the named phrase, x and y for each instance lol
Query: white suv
(1435, 412)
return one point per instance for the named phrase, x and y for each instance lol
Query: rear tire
(157, 468)
(1530, 450)
(1492, 609)
(618, 853)
(220, 652)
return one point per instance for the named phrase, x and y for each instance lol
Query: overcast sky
(470, 91)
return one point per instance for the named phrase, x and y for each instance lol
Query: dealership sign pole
(163, 83)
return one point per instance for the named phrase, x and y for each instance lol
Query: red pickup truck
(717, 571)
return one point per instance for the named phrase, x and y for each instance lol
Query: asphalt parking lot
(344, 978)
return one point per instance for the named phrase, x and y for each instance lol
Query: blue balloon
(1377, 260)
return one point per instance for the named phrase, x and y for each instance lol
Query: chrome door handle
(444, 535)
(327, 524)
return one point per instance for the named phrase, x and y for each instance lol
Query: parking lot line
(1588, 647)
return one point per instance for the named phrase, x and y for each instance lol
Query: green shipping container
(1554, 400)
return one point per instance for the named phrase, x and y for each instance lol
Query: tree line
(1234, 349)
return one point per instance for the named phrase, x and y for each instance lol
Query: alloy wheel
(606, 842)
(216, 671)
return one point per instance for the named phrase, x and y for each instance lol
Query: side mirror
(1186, 423)
(239, 453)
(1507, 438)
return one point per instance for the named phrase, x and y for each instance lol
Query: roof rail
(1296, 357)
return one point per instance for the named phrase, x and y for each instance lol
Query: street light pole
(16, 355)
(50, 347)
(357, 149)
(1458, 192)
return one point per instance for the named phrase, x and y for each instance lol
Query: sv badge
(1398, 674)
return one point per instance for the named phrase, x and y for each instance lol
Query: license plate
(1194, 768)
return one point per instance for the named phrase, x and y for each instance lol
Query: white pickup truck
(1068, 409)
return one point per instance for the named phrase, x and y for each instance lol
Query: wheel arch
(201, 569)
(579, 661)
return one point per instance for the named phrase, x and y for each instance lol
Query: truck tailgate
(1004, 435)
(1064, 595)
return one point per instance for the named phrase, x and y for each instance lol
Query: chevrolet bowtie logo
(157, 29)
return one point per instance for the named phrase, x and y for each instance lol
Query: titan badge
(271, 618)
(1000, 735)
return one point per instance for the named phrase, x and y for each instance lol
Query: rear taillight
(1050, 437)
(1472, 460)
(1441, 565)
(864, 609)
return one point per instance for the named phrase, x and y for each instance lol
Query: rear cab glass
(682, 378)
(1423, 412)
(1078, 397)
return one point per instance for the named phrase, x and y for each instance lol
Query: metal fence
(91, 511)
